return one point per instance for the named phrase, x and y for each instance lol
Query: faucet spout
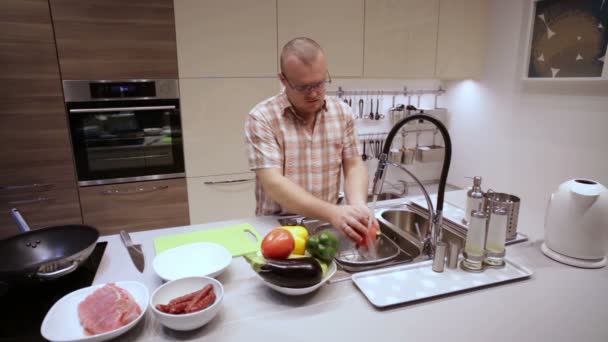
(435, 216)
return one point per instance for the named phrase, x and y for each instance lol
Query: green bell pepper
(323, 246)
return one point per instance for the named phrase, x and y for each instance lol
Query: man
(298, 143)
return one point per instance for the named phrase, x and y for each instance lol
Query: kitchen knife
(135, 251)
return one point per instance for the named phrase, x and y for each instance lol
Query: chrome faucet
(435, 216)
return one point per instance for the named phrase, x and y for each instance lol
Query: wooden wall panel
(114, 39)
(26, 21)
(37, 173)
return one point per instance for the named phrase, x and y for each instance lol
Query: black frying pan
(46, 253)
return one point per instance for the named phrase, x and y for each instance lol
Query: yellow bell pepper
(300, 236)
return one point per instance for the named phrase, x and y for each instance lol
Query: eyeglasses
(309, 87)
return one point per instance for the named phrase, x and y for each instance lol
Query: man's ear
(282, 79)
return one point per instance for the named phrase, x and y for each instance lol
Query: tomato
(372, 233)
(278, 244)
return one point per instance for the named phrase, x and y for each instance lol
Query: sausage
(163, 308)
(191, 302)
(190, 296)
(198, 297)
(202, 303)
(178, 308)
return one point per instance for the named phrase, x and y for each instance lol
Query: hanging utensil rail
(372, 92)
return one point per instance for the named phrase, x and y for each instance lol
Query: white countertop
(558, 303)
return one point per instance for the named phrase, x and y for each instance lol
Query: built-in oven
(125, 130)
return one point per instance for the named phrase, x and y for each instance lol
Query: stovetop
(23, 309)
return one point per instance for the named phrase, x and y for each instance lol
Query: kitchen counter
(558, 303)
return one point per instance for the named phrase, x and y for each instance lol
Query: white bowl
(194, 259)
(180, 287)
(290, 291)
(61, 322)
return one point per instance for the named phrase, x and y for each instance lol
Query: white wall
(525, 138)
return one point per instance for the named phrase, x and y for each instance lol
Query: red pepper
(372, 233)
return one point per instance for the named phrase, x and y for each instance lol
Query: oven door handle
(136, 157)
(118, 109)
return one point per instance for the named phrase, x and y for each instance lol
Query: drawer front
(135, 206)
(41, 206)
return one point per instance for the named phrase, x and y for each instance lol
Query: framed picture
(567, 40)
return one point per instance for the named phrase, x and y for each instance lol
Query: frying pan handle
(19, 220)
(59, 273)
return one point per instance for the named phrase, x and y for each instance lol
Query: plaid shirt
(277, 137)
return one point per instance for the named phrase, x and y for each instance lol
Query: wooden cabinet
(336, 25)
(461, 39)
(400, 38)
(226, 38)
(41, 206)
(36, 167)
(115, 39)
(213, 118)
(219, 198)
(135, 206)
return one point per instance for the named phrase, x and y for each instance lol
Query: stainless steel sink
(384, 196)
(397, 226)
(405, 222)
(414, 227)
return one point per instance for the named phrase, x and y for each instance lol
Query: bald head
(305, 49)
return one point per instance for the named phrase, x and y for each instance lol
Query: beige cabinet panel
(461, 39)
(213, 120)
(400, 38)
(226, 38)
(222, 198)
(337, 25)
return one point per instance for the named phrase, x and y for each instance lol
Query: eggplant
(293, 273)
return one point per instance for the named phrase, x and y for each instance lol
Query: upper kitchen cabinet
(115, 39)
(213, 119)
(36, 167)
(226, 38)
(461, 39)
(337, 25)
(401, 38)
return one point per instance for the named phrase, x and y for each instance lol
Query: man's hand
(351, 220)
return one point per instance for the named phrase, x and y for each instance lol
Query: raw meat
(108, 308)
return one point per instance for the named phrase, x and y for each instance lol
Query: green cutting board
(235, 238)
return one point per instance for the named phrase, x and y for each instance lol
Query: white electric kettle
(576, 224)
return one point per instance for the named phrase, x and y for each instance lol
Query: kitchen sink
(404, 228)
(381, 197)
(398, 243)
(405, 222)
(384, 196)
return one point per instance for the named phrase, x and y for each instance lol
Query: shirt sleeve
(263, 150)
(350, 143)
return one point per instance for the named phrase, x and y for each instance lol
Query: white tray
(412, 282)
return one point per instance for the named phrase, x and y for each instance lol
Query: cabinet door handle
(30, 201)
(229, 181)
(32, 186)
(119, 109)
(134, 191)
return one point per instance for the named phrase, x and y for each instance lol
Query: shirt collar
(287, 108)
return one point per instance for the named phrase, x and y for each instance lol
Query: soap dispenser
(474, 199)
